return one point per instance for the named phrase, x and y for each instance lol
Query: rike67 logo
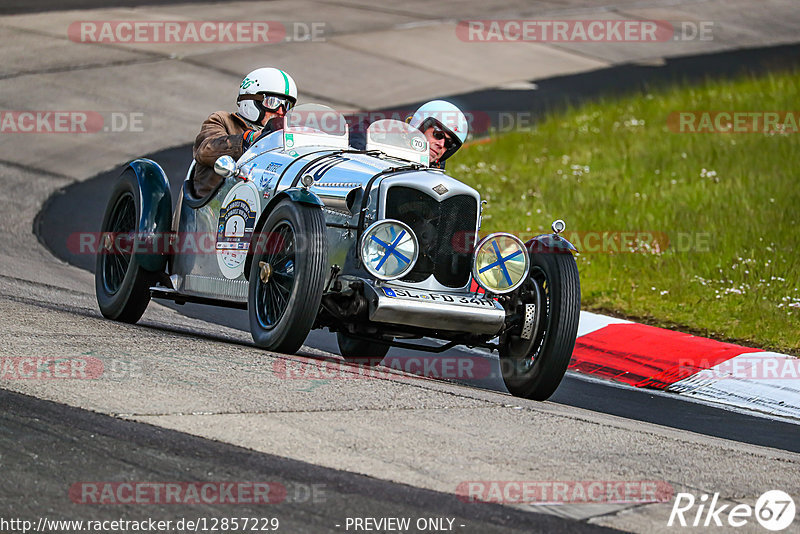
(774, 510)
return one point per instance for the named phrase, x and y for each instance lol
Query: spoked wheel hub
(276, 275)
(123, 221)
(524, 349)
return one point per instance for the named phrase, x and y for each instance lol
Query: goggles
(270, 102)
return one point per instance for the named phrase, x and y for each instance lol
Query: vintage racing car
(306, 232)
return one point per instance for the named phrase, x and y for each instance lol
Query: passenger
(265, 96)
(445, 127)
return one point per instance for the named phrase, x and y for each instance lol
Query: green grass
(614, 166)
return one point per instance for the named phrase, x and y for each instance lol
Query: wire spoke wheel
(286, 276)
(533, 368)
(272, 296)
(123, 224)
(122, 286)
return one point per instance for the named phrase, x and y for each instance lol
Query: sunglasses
(440, 134)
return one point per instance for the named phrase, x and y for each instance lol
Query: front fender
(155, 200)
(295, 194)
(549, 243)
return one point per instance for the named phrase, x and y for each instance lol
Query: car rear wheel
(361, 351)
(287, 276)
(533, 368)
(122, 286)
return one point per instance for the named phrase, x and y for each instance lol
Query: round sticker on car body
(237, 218)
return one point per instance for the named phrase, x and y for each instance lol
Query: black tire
(534, 368)
(360, 351)
(122, 286)
(282, 310)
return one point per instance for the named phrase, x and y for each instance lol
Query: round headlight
(500, 263)
(389, 249)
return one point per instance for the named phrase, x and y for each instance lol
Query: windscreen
(314, 125)
(399, 140)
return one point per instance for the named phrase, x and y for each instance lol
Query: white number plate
(444, 298)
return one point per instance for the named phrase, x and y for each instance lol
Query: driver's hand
(248, 139)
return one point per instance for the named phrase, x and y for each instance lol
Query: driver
(265, 96)
(445, 127)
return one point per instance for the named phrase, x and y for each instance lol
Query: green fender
(295, 194)
(156, 205)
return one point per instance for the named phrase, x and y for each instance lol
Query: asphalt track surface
(79, 208)
(81, 445)
(46, 446)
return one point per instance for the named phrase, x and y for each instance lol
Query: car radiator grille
(445, 231)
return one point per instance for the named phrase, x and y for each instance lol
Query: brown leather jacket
(220, 135)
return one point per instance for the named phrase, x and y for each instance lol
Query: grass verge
(697, 231)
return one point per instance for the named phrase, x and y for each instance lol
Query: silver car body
(356, 188)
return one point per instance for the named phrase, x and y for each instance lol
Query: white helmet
(448, 117)
(267, 82)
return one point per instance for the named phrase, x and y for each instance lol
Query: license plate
(444, 298)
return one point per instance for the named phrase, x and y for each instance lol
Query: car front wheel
(534, 367)
(287, 276)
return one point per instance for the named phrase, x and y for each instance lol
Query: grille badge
(441, 189)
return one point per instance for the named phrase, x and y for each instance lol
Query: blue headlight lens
(389, 249)
(501, 263)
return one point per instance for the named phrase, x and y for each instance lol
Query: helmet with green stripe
(265, 90)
